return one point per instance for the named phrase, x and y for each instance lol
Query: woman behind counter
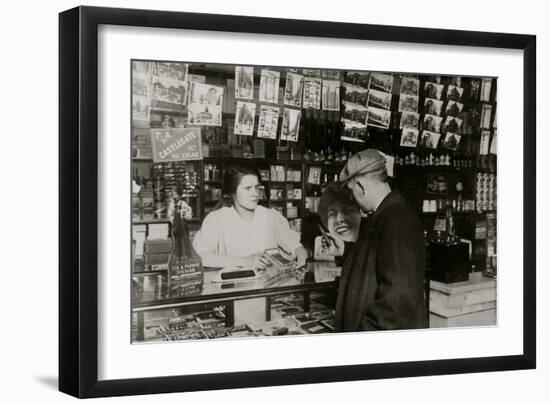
(237, 235)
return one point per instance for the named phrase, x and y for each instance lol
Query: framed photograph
(167, 284)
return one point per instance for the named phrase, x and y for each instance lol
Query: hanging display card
(169, 85)
(454, 93)
(432, 123)
(267, 124)
(205, 105)
(433, 90)
(408, 103)
(244, 82)
(378, 117)
(493, 149)
(379, 99)
(331, 95)
(429, 139)
(291, 124)
(269, 86)
(410, 86)
(454, 108)
(485, 121)
(485, 89)
(381, 82)
(312, 93)
(141, 90)
(409, 137)
(294, 88)
(244, 118)
(432, 106)
(409, 119)
(451, 141)
(484, 142)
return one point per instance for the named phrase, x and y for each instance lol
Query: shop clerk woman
(237, 235)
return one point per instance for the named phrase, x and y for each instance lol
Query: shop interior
(437, 132)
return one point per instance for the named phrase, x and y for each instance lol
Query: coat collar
(368, 224)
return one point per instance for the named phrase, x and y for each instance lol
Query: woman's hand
(301, 257)
(256, 261)
(333, 245)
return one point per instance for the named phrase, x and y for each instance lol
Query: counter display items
(279, 200)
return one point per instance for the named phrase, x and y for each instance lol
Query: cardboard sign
(176, 144)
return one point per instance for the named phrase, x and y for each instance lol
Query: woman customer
(340, 214)
(238, 234)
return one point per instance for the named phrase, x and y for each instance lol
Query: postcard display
(297, 127)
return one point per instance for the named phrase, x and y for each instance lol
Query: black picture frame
(78, 196)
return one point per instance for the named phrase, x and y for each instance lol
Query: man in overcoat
(382, 281)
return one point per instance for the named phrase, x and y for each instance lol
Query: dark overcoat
(382, 281)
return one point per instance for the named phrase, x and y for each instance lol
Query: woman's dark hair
(334, 193)
(231, 180)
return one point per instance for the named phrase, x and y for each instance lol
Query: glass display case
(233, 303)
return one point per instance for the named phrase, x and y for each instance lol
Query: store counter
(243, 302)
(151, 288)
(469, 303)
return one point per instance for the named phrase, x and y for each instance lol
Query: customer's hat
(366, 161)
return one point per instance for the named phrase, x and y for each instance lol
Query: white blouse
(224, 233)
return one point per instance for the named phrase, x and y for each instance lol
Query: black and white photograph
(169, 85)
(485, 93)
(484, 142)
(381, 82)
(294, 87)
(312, 93)
(291, 124)
(141, 90)
(429, 139)
(379, 118)
(244, 82)
(410, 86)
(209, 237)
(244, 118)
(409, 119)
(268, 122)
(486, 111)
(331, 74)
(356, 94)
(408, 103)
(451, 141)
(452, 124)
(433, 90)
(331, 95)
(433, 106)
(379, 99)
(360, 79)
(242, 215)
(409, 137)
(355, 131)
(269, 86)
(454, 93)
(454, 108)
(205, 104)
(432, 123)
(355, 112)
